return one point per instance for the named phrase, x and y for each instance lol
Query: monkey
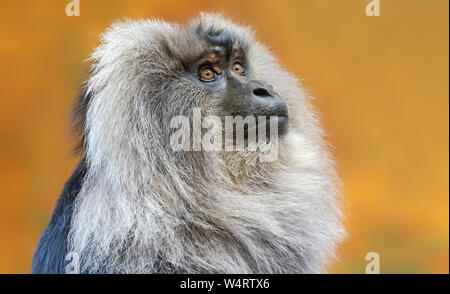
(134, 205)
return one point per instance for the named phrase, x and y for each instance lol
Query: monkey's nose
(268, 103)
(261, 92)
(261, 89)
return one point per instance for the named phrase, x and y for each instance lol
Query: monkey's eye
(207, 74)
(238, 68)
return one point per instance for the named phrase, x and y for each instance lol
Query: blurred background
(381, 84)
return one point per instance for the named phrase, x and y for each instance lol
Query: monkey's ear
(78, 128)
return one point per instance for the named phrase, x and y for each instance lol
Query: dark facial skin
(224, 71)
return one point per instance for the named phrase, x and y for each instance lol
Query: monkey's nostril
(261, 92)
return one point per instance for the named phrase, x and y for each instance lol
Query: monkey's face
(224, 71)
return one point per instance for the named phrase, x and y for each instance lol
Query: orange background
(381, 84)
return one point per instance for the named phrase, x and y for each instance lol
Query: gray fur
(145, 209)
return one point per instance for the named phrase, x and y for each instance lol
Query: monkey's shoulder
(51, 251)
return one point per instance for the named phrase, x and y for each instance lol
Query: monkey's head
(147, 73)
(200, 210)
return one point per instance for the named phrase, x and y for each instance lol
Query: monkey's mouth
(273, 127)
